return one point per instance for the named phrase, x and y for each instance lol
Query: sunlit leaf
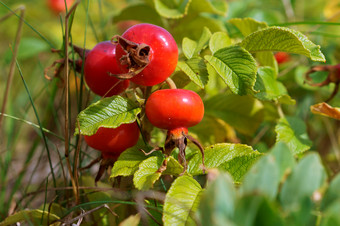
(147, 174)
(247, 25)
(239, 166)
(292, 131)
(282, 39)
(109, 112)
(219, 40)
(269, 88)
(128, 162)
(188, 47)
(174, 10)
(181, 201)
(236, 67)
(195, 69)
(216, 156)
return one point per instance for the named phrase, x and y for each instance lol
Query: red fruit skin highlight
(163, 55)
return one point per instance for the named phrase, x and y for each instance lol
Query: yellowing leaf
(326, 110)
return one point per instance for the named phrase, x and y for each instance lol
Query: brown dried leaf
(326, 110)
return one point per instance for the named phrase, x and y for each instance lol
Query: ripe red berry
(99, 63)
(282, 57)
(162, 54)
(112, 142)
(174, 108)
(58, 6)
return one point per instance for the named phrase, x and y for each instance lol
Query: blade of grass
(39, 123)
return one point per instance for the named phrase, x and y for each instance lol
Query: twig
(66, 74)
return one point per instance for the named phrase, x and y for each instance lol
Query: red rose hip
(99, 63)
(174, 108)
(58, 6)
(151, 46)
(113, 141)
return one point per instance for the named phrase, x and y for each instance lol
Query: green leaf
(192, 48)
(263, 178)
(147, 174)
(219, 40)
(256, 210)
(196, 70)
(188, 46)
(128, 162)
(244, 113)
(331, 216)
(282, 39)
(332, 193)
(308, 176)
(284, 158)
(109, 112)
(203, 40)
(217, 155)
(181, 201)
(139, 12)
(292, 131)
(239, 166)
(218, 202)
(218, 7)
(247, 25)
(30, 216)
(171, 9)
(173, 167)
(269, 88)
(237, 68)
(267, 59)
(191, 26)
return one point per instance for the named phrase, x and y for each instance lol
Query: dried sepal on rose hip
(111, 142)
(333, 77)
(175, 110)
(147, 53)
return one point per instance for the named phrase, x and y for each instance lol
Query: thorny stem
(22, 10)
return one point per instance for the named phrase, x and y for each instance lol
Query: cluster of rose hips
(145, 55)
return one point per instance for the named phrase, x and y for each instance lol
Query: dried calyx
(136, 57)
(333, 77)
(178, 138)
